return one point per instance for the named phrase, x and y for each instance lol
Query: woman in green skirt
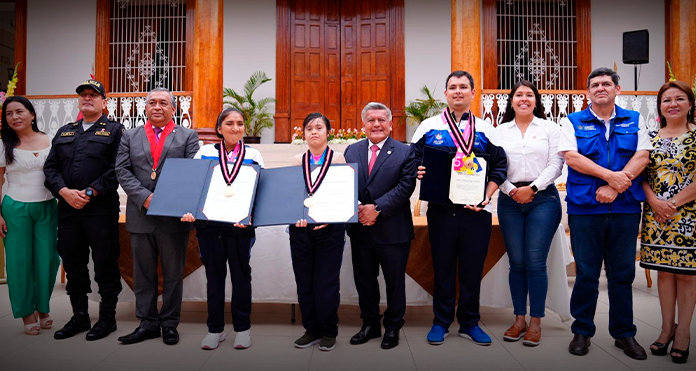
(28, 221)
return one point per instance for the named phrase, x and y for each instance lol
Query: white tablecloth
(273, 280)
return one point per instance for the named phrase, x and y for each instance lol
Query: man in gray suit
(140, 158)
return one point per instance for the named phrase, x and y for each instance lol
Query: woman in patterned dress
(668, 238)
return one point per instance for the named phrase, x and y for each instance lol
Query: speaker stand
(635, 76)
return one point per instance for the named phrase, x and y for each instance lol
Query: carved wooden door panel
(341, 56)
(307, 59)
(366, 62)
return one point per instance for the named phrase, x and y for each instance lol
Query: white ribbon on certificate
(334, 200)
(219, 207)
(468, 189)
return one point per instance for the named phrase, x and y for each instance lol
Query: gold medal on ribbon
(153, 176)
(229, 191)
(306, 169)
(309, 202)
(230, 174)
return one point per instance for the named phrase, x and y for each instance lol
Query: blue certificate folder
(183, 188)
(281, 193)
(435, 185)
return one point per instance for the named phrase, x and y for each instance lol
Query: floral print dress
(671, 246)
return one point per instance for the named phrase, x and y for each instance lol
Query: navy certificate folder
(183, 188)
(281, 193)
(435, 185)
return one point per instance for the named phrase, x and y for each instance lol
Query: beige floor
(273, 335)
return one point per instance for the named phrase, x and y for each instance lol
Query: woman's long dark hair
(9, 137)
(509, 114)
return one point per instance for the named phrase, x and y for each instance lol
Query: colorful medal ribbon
(468, 164)
(312, 187)
(156, 146)
(228, 175)
(465, 142)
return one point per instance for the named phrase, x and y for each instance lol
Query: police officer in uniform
(80, 173)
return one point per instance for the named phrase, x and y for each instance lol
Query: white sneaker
(211, 341)
(242, 340)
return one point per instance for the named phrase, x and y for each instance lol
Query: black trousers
(76, 235)
(368, 256)
(458, 236)
(316, 261)
(170, 249)
(217, 252)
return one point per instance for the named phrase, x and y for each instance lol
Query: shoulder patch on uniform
(67, 133)
(75, 124)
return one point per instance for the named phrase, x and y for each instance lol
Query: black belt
(521, 184)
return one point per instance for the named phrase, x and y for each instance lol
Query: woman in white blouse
(29, 219)
(529, 207)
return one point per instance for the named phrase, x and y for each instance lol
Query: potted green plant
(255, 111)
(421, 109)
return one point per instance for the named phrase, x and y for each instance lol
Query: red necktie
(373, 159)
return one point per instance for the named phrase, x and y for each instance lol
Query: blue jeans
(608, 239)
(528, 230)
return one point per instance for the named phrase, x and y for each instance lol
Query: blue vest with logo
(614, 154)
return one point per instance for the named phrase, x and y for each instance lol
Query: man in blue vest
(606, 148)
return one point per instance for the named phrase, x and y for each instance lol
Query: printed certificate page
(219, 207)
(334, 201)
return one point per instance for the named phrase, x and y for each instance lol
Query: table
(273, 280)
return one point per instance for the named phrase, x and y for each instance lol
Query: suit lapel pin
(389, 152)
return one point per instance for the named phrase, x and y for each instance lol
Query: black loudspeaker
(635, 47)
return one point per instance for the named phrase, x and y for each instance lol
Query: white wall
(428, 43)
(60, 45)
(250, 45)
(610, 19)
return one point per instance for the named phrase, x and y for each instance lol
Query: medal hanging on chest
(465, 159)
(157, 145)
(307, 171)
(230, 174)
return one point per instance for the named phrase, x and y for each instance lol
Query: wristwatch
(89, 192)
(534, 188)
(377, 209)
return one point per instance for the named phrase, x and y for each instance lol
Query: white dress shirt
(533, 157)
(569, 143)
(369, 150)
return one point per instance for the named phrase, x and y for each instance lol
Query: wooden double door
(335, 57)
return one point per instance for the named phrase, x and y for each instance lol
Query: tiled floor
(273, 335)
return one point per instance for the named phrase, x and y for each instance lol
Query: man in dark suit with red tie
(386, 180)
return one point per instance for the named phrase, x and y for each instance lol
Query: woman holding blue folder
(317, 250)
(222, 244)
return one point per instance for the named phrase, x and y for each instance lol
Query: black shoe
(391, 339)
(78, 323)
(169, 335)
(101, 329)
(631, 348)
(683, 355)
(107, 319)
(366, 333)
(140, 334)
(580, 345)
(661, 349)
